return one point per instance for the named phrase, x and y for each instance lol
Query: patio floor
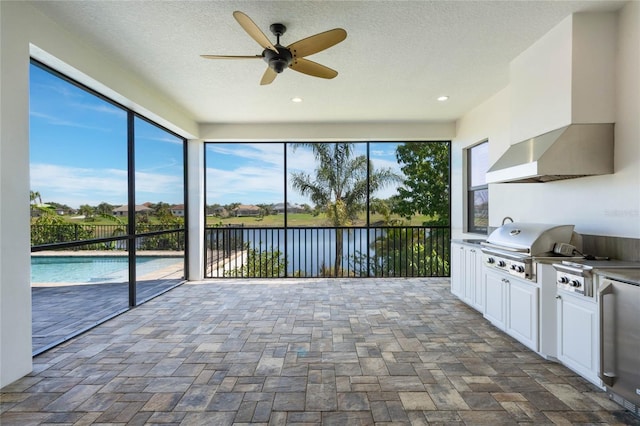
(275, 352)
(62, 310)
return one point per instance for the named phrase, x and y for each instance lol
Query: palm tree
(339, 186)
(35, 195)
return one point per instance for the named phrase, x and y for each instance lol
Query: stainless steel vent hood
(570, 152)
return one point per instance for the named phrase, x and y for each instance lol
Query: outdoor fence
(261, 252)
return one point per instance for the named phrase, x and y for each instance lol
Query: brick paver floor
(276, 352)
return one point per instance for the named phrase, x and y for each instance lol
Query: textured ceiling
(399, 56)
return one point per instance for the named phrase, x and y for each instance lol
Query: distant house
(291, 208)
(177, 210)
(36, 210)
(247, 210)
(124, 210)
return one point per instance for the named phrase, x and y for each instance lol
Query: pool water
(93, 269)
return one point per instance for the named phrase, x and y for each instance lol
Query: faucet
(505, 219)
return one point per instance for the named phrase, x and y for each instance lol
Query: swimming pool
(93, 269)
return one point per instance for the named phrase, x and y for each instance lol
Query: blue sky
(78, 155)
(253, 173)
(78, 149)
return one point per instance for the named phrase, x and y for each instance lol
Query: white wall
(568, 76)
(488, 121)
(195, 201)
(15, 291)
(540, 81)
(24, 31)
(328, 131)
(598, 205)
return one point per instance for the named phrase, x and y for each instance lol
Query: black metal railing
(105, 237)
(68, 233)
(261, 252)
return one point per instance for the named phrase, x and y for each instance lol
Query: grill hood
(529, 238)
(570, 152)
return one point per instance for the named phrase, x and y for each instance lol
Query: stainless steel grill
(577, 276)
(514, 247)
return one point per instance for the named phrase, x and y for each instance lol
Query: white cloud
(156, 184)
(262, 181)
(248, 185)
(264, 152)
(75, 186)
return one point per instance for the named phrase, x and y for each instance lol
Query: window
(477, 188)
(107, 207)
(303, 209)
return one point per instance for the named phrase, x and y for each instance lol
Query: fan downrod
(278, 61)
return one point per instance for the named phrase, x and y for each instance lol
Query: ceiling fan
(279, 57)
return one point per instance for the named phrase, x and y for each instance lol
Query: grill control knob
(563, 280)
(502, 263)
(519, 268)
(491, 260)
(574, 283)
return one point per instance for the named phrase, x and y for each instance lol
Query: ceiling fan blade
(252, 29)
(317, 43)
(231, 57)
(268, 76)
(306, 66)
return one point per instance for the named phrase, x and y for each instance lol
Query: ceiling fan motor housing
(278, 61)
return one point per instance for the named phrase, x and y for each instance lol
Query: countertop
(623, 274)
(471, 242)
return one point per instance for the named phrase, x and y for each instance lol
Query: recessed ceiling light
(443, 98)
(296, 100)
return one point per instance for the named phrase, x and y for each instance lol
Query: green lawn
(293, 220)
(300, 219)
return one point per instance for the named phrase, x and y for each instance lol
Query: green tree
(266, 209)
(87, 211)
(425, 189)
(65, 209)
(409, 252)
(231, 207)
(104, 209)
(49, 227)
(35, 196)
(339, 185)
(161, 209)
(260, 264)
(383, 207)
(213, 209)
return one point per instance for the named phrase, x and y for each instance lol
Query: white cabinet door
(466, 275)
(494, 297)
(457, 270)
(473, 263)
(522, 312)
(578, 339)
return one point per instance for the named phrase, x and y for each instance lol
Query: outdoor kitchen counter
(628, 275)
(468, 242)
